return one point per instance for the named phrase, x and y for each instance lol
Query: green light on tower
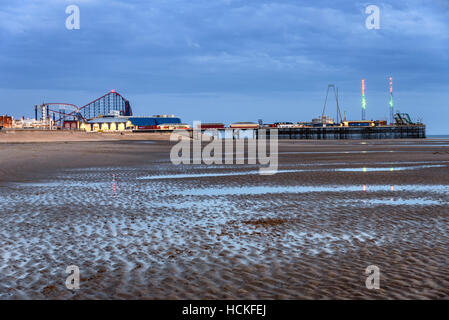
(363, 100)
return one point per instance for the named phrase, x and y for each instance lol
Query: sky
(229, 60)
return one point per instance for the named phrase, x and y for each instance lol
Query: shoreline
(48, 136)
(24, 136)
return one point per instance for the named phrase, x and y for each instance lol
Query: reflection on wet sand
(153, 230)
(283, 171)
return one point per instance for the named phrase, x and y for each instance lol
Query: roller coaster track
(104, 105)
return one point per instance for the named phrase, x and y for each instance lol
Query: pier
(340, 133)
(324, 133)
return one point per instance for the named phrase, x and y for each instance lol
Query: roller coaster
(402, 119)
(58, 112)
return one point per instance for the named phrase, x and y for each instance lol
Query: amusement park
(113, 113)
(108, 113)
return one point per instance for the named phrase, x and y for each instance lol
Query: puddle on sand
(366, 169)
(393, 202)
(352, 151)
(418, 145)
(254, 190)
(85, 184)
(143, 142)
(212, 174)
(256, 172)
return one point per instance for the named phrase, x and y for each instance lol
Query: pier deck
(326, 133)
(335, 133)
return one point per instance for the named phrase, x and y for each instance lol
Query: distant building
(157, 122)
(5, 122)
(116, 123)
(106, 124)
(380, 123)
(304, 124)
(211, 125)
(244, 125)
(71, 124)
(323, 121)
(359, 123)
(284, 124)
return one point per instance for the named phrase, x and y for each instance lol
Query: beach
(139, 227)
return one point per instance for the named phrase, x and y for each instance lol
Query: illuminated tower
(363, 100)
(391, 101)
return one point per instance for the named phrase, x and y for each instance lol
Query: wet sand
(140, 227)
(29, 136)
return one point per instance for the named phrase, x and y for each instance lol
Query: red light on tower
(112, 91)
(391, 84)
(363, 86)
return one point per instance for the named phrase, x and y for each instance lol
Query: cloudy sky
(228, 60)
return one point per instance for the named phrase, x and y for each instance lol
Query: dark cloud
(227, 47)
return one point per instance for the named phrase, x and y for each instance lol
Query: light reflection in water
(379, 169)
(261, 189)
(365, 169)
(114, 186)
(256, 172)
